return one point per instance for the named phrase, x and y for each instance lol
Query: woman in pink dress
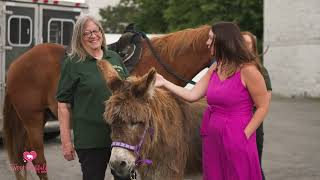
(232, 86)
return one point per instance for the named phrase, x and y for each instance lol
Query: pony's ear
(110, 75)
(144, 87)
(131, 27)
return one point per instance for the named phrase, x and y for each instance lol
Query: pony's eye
(133, 125)
(117, 123)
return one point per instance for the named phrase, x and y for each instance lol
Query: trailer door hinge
(2, 47)
(2, 85)
(2, 11)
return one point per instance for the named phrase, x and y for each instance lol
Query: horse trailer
(26, 23)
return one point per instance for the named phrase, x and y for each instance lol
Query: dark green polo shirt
(266, 78)
(82, 85)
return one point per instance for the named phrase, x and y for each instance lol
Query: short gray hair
(76, 42)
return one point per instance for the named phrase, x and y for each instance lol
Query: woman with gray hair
(81, 94)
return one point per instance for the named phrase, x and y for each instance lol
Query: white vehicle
(25, 23)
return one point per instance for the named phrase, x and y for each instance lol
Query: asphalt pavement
(292, 145)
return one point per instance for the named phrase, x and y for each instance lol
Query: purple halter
(136, 149)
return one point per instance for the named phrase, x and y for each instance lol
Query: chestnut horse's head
(178, 56)
(129, 113)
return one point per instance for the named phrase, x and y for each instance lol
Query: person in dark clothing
(251, 42)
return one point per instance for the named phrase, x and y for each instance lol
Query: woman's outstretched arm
(191, 95)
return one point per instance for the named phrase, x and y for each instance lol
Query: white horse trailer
(26, 23)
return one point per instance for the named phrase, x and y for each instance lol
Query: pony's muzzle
(121, 163)
(116, 176)
(120, 168)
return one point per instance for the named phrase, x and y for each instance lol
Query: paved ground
(292, 145)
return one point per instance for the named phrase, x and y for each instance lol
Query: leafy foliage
(115, 19)
(163, 16)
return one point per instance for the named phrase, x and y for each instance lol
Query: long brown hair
(253, 39)
(230, 49)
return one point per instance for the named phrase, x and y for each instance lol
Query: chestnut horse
(150, 124)
(33, 77)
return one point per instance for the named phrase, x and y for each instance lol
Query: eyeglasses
(88, 34)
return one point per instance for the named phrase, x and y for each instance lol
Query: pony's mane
(166, 108)
(183, 39)
(162, 98)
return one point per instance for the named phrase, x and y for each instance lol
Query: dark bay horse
(148, 123)
(33, 77)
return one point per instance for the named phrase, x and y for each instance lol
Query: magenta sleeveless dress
(226, 152)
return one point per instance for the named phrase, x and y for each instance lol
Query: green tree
(182, 14)
(163, 16)
(248, 14)
(150, 17)
(115, 19)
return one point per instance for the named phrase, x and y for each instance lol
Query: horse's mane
(184, 39)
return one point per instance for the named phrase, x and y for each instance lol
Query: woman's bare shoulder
(249, 73)
(248, 67)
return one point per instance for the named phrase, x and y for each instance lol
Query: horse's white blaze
(121, 154)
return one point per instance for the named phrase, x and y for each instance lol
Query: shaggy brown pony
(136, 105)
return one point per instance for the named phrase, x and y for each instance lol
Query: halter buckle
(133, 175)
